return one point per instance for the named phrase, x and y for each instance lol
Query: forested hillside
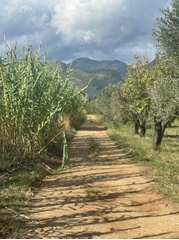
(99, 73)
(90, 65)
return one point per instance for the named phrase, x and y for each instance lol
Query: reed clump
(32, 97)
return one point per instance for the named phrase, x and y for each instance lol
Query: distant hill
(61, 65)
(90, 65)
(101, 73)
(103, 77)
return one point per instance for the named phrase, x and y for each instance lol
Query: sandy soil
(103, 195)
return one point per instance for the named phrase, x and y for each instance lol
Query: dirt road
(103, 195)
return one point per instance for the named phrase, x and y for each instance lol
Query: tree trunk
(158, 134)
(136, 127)
(143, 129)
(159, 130)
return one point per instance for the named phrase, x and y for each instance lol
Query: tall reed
(32, 97)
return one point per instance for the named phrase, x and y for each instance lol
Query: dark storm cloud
(105, 29)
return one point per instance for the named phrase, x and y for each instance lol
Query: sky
(71, 29)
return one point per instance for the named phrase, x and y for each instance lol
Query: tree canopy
(167, 32)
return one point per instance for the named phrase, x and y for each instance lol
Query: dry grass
(17, 183)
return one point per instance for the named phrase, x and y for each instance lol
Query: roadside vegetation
(143, 112)
(163, 163)
(39, 113)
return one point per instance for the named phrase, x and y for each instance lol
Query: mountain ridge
(87, 64)
(101, 73)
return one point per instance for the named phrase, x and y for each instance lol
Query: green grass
(93, 192)
(164, 162)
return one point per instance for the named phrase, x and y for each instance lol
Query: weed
(93, 192)
(93, 144)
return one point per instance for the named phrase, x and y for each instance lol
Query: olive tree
(136, 93)
(167, 32)
(165, 105)
(165, 90)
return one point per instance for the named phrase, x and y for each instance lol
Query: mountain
(103, 77)
(90, 65)
(101, 73)
(58, 64)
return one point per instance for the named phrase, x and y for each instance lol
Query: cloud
(105, 29)
(86, 22)
(108, 27)
(21, 20)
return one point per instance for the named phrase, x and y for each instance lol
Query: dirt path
(103, 195)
